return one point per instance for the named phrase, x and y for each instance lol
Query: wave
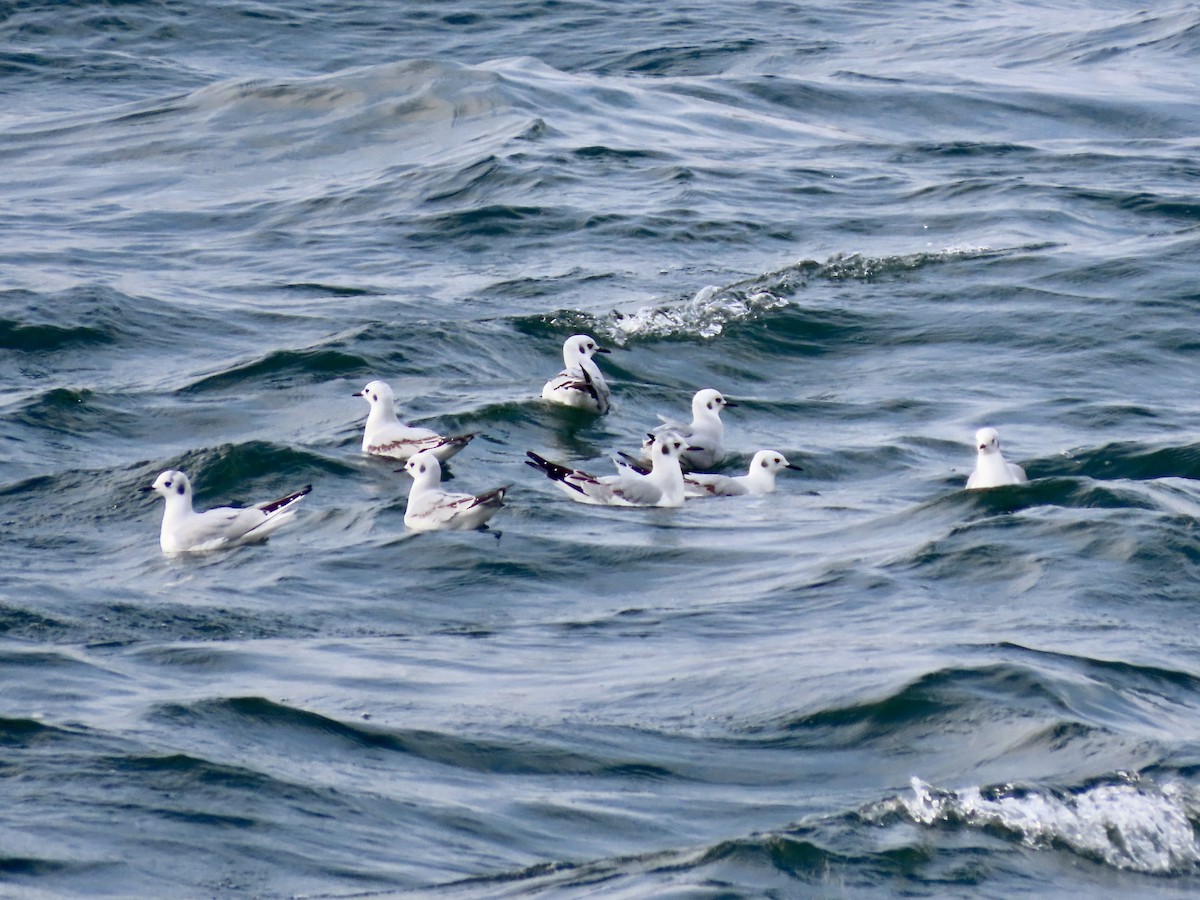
(30, 624)
(41, 337)
(1132, 460)
(243, 473)
(28, 732)
(713, 309)
(85, 317)
(317, 364)
(1123, 820)
(280, 725)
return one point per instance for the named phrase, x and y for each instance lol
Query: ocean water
(876, 227)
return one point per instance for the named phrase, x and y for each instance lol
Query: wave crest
(707, 313)
(1121, 821)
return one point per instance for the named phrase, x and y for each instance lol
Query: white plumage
(386, 435)
(185, 530)
(705, 436)
(760, 479)
(991, 469)
(580, 384)
(432, 509)
(661, 486)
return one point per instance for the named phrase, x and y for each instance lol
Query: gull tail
(449, 446)
(553, 471)
(276, 513)
(493, 498)
(458, 440)
(631, 462)
(282, 503)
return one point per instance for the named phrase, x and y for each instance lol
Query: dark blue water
(876, 227)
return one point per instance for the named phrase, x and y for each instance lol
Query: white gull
(386, 435)
(432, 509)
(760, 479)
(705, 436)
(580, 384)
(661, 486)
(991, 468)
(185, 530)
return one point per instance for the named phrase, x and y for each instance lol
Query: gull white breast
(991, 468)
(185, 530)
(580, 384)
(386, 435)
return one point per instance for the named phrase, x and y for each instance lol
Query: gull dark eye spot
(168, 484)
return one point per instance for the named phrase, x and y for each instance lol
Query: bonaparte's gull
(760, 479)
(661, 486)
(991, 468)
(432, 509)
(705, 437)
(580, 383)
(184, 529)
(386, 435)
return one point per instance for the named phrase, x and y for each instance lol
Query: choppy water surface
(876, 229)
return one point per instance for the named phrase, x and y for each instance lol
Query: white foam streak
(713, 308)
(1127, 824)
(705, 315)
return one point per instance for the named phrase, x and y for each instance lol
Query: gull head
(580, 347)
(377, 393)
(708, 403)
(771, 461)
(669, 446)
(424, 468)
(987, 440)
(171, 483)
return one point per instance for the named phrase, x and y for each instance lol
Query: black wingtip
(633, 462)
(496, 495)
(553, 471)
(285, 500)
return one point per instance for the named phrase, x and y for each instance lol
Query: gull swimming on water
(432, 509)
(661, 486)
(705, 436)
(386, 435)
(580, 383)
(760, 479)
(991, 469)
(184, 529)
